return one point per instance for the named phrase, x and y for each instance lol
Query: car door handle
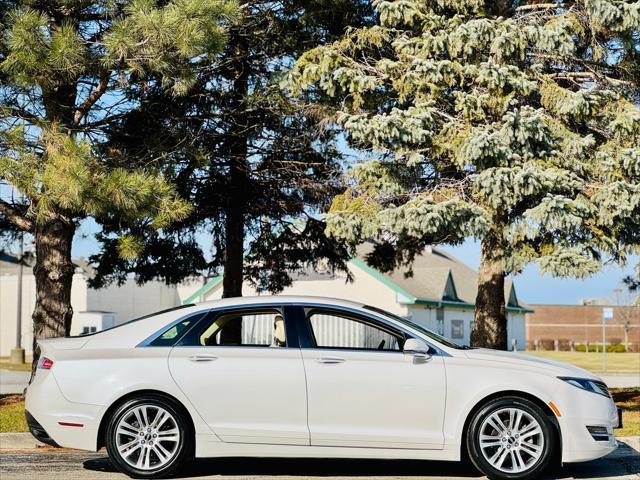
(202, 358)
(331, 360)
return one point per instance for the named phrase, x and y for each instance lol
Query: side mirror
(415, 346)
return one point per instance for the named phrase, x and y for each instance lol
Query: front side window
(405, 321)
(337, 330)
(254, 329)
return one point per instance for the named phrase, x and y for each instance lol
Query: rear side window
(172, 335)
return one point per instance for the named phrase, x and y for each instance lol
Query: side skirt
(208, 446)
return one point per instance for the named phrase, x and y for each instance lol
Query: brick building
(583, 323)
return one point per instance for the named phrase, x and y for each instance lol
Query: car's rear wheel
(511, 438)
(148, 437)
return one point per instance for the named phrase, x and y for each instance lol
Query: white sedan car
(310, 377)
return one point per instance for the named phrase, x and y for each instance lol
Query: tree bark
(233, 253)
(238, 168)
(53, 274)
(490, 321)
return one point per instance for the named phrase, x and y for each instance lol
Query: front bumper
(587, 421)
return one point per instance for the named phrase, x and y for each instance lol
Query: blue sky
(531, 287)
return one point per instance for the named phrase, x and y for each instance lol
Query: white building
(440, 295)
(93, 309)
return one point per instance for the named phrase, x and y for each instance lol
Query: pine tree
(512, 122)
(254, 165)
(65, 68)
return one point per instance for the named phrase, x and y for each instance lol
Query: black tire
(548, 434)
(183, 450)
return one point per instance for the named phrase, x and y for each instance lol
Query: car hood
(550, 367)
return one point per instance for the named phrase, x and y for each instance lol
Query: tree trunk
(238, 151)
(53, 274)
(233, 254)
(626, 336)
(490, 322)
(237, 194)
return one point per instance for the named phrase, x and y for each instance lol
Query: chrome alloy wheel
(147, 437)
(511, 440)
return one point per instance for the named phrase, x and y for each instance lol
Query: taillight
(45, 363)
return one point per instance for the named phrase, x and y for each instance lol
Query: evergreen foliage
(514, 122)
(252, 162)
(66, 69)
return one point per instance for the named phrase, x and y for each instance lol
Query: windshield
(432, 335)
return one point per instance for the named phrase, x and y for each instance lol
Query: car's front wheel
(511, 438)
(148, 437)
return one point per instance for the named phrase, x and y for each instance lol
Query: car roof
(278, 300)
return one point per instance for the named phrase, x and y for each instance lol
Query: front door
(245, 377)
(363, 391)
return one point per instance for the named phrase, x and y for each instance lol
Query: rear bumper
(54, 420)
(38, 430)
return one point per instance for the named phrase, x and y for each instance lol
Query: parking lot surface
(66, 465)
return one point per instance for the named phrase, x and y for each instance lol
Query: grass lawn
(24, 367)
(12, 412)
(629, 400)
(616, 362)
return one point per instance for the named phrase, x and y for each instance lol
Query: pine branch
(15, 217)
(539, 6)
(93, 97)
(20, 113)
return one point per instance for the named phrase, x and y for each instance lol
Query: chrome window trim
(437, 350)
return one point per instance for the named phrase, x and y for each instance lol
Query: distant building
(93, 309)
(583, 323)
(440, 295)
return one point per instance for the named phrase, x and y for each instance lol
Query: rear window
(149, 315)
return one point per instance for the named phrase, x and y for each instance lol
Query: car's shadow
(307, 467)
(280, 467)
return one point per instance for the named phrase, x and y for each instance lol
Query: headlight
(587, 384)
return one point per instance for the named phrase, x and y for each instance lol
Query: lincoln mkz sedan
(308, 377)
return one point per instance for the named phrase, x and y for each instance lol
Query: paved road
(624, 464)
(621, 380)
(13, 382)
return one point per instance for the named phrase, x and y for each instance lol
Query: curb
(628, 448)
(19, 441)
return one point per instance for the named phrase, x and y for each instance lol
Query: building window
(87, 330)
(457, 329)
(440, 320)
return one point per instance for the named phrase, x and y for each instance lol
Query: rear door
(242, 370)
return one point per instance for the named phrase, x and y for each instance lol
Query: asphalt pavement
(12, 381)
(624, 464)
